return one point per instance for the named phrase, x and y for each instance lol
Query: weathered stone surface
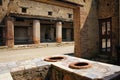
(37, 8)
(22, 28)
(36, 31)
(6, 76)
(97, 71)
(58, 70)
(59, 32)
(87, 32)
(35, 73)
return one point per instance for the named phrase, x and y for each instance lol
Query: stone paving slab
(6, 76)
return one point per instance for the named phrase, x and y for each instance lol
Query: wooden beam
(57, 3)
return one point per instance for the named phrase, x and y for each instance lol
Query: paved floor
(25, 54)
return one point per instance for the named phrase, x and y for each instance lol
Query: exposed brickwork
(10, 32)
(37, 74)
(77, 26)
(86, 33)
(90, 30)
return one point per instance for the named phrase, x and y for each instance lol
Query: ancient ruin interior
(93, 26)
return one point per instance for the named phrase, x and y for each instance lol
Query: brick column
(68, 34)
(36, 31)
(77, 26)
(59, 32)
(10, 32)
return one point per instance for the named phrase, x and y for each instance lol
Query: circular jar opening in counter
(54, 58)
(80, 65)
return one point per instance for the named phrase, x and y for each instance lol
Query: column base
(59, 40)
(10, 43)
(36, 42)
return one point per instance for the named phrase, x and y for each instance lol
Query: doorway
(105, 36)
(2, 38)
(21, 35)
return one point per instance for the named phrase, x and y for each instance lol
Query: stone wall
(39, 9)
(39, 73)
(106, 9)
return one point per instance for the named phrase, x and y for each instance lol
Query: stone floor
(26, 54)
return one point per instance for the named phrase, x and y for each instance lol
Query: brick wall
(88, 34)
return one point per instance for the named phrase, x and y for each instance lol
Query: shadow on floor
(70, 54)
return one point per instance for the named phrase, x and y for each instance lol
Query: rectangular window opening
(69, 15)
(20, 19)
(50, 13)
(24, 10)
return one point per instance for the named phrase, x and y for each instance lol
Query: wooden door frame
(100, 35)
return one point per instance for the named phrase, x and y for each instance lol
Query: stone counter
(38, 69)
(98, 70)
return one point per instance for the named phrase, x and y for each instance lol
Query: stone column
(36, 31)
(59, 32)
(68, 34)
(10, 32)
